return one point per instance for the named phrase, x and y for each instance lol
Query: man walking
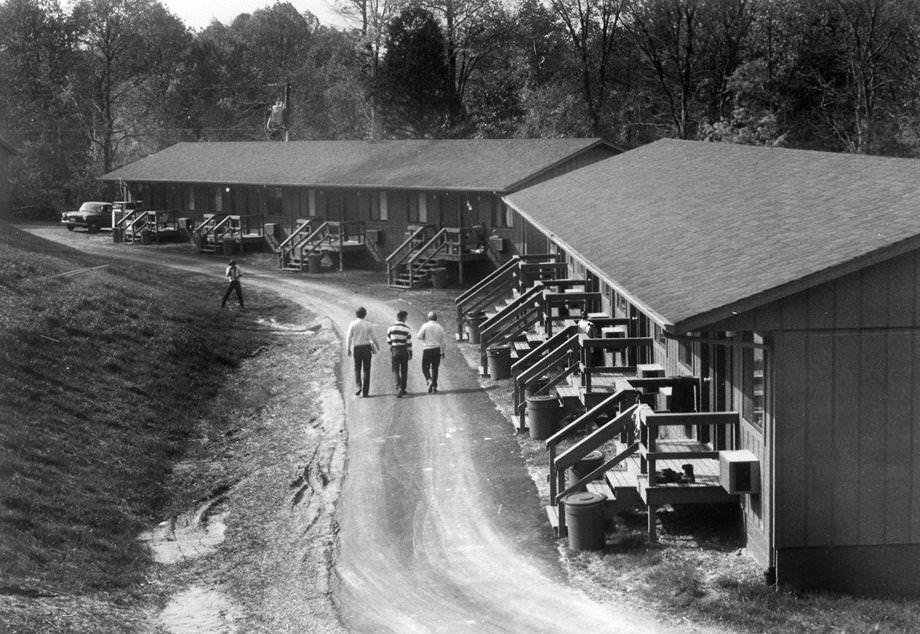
(434, 340)
(233, 276)
(400, 339)
(361, 344)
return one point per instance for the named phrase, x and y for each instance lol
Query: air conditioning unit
(497, 244)
(739, 471)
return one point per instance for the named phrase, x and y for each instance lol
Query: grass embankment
(106, 367)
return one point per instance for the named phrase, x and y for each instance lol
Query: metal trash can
(315, 263)
(473, 326)
(583, 467)
(146, 236)
(439, 278)
(585, 521)
(118, 234)
(543, 413)
(499, 361)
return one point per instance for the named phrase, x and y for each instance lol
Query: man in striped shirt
(400, 339)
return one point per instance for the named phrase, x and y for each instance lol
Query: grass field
(106, 367)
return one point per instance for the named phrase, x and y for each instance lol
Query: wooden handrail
(604, 468)
(549, 344)
(303, 227)
(519, 301)
(690, 418)
(518, 322)
(601, 408)
(557, 465)
(487, 281)
(554, 356)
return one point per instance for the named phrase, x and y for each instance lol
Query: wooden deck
(704, 489)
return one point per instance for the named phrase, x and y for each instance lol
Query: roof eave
(707, 318)
(650, 312)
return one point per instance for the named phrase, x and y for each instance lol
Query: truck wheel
(69, 227)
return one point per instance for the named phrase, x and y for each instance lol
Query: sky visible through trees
(95, 84)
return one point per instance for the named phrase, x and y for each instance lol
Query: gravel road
(439, 527)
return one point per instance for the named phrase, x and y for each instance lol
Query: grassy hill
(104, 369)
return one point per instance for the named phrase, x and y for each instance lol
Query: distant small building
(787, 282)
(6, 205)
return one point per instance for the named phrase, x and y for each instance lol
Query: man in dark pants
(434, 343)
(233, 275)
(361, 344)
(400, 339)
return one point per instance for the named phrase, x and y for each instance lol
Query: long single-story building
(788, 281)
(387, 186)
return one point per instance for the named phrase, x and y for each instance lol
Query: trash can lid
(593, 456)
(500, 346)
(583, 498)
(542, 398)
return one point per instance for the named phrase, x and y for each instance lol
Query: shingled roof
(695, 231)
(479, 164)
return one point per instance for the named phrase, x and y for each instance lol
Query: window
(368, 206)
(311, 203)
(384, 207)
(753, 381)
(422, 202)
(685, 352)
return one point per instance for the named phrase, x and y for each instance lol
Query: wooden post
(552, 473)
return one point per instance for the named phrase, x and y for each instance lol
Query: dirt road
(440, 528)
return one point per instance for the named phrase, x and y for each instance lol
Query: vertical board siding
(791, 456)
(844, 451)
(873, 411)
(819, 430)
(897, 442)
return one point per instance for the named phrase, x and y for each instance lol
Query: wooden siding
(863, 570)
(5, 185)
(847, 423)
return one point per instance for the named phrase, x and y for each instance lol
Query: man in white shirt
(233, 276)
(434, 343)
(361, 344)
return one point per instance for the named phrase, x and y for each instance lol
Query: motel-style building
(788, 283)
(380, 191)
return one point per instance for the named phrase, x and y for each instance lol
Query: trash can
(439, 278)
(585, 521)
(229, 247)
(474, 325)
(146, 236)
(118, 234)
(583, 467)
(543, 416)
(499, 360)
(315, 263)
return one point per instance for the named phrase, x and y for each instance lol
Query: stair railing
(531, 272)
(519, 315)
(286, 246)
(418, 260)
(556, 349)
(397, 259)
(311, 242)
(498, 283)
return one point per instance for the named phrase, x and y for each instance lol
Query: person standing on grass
(434, 343)
(400, 339)
(361, 344)
(233, 275)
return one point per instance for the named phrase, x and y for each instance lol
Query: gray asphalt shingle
(462, 164)
(689, 227)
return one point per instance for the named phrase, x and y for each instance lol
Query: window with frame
(753, 381)
(685, 352)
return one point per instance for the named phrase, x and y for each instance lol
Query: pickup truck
(93, 216)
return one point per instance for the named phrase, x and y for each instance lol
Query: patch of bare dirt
(251, 542)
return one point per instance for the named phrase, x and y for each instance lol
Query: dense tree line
(108, 81)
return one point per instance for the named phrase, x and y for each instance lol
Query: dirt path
(439, 526)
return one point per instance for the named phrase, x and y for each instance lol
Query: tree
(413, 86)
(593, 26)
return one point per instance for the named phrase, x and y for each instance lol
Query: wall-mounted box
(497, 244)
(739, 471)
